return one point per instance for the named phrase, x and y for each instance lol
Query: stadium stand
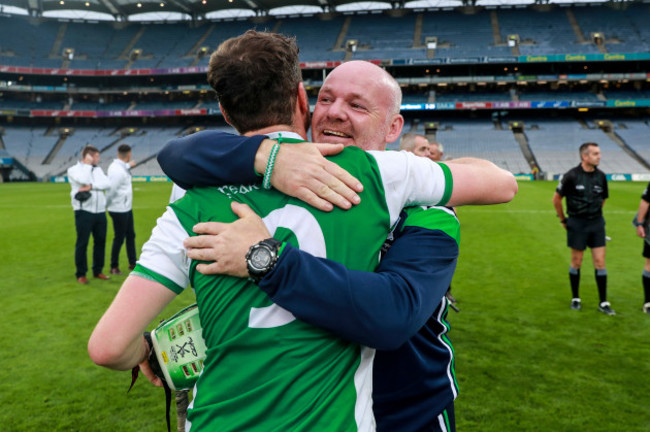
(555, 144)
(463, 138)
(317, 42)
(446, 76)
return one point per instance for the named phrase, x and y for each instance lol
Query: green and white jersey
(265, 370)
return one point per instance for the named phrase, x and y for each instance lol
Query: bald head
(358, 105)
(369, 72)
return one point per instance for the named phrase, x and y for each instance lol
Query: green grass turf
(525, 361)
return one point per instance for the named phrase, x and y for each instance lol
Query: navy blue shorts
(583, 233)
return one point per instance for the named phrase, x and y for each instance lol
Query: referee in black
(585, 190)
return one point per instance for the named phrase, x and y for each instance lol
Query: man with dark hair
(415, 143)
(88, 183)
(243, 96)
(266, 370)
(120, 207)
(585, 190)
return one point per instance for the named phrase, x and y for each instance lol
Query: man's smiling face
(356, 107)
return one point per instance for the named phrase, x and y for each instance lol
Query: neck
(278, 128)
(588, 167)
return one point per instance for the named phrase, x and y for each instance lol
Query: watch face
(260, 258)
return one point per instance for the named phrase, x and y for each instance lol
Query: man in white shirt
(88, 183)
(120, 207)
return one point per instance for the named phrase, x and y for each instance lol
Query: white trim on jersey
(164, 252)
(363, 414)
(409, 180)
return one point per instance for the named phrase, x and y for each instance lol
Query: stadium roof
(193, 9)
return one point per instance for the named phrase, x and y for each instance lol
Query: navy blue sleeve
(210, 158)
(382, 310)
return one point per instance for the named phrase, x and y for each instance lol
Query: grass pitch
(525, 361)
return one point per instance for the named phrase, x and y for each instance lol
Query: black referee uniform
(585, 192)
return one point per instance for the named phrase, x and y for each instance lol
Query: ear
(225, 115)
(303, 100)
(395, 128)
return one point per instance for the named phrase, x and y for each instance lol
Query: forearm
(557, 204)
(100, 181)
(381, 310)
(210, 158)
(480, 182)
(643, 210)
(117, 341)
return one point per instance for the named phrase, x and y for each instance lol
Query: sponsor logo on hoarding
(536, 58)
(474, 105)
(624, 103)
(614, 57)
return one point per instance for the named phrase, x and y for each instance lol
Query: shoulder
(573, 172)
(433, 218)
(75, 168)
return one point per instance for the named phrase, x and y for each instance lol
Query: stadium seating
(475, 138)
(555, 145)
(104, 45)
(380, 35)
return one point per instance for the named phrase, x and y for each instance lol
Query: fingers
(235, 268)
(241, 210)
(336, 188)
(344, 177)
(209, 227)
(313, 200)
(329, 149)
(199, 241)
(148, 373)
(200, 254)
(208, 269)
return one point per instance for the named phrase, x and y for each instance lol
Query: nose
(336, 110)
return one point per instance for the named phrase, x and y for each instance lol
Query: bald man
(398, 310)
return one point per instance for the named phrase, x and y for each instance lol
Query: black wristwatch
(261, 258)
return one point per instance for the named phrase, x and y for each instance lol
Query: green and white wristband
(266, 183)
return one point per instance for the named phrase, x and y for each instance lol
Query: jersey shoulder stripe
(434, 218)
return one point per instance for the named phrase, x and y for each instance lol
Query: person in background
(420, 146)
(88, 184)
(120, 207)
(641, 223)
(414, 143)
(585, 189)
(435, 151)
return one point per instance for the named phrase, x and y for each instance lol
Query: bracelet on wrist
(266, 183)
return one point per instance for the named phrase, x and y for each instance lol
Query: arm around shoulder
(480, 182)
(210, 158)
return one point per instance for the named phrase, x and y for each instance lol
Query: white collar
(284, 134)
